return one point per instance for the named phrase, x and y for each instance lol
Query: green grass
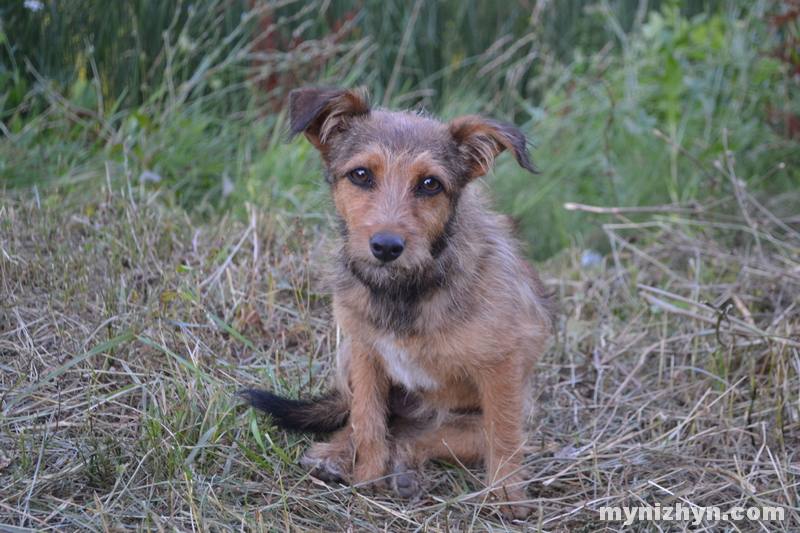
(594, 122)
(606, 131)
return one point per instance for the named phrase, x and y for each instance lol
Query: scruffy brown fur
(442, 318)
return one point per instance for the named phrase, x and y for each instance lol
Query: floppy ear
(481, 139)
(321, 113)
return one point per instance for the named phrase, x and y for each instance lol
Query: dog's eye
(430, 185)
(360, 176)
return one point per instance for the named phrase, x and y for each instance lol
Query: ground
(127, 326)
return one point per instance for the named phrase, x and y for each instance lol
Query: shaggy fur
(442, 319)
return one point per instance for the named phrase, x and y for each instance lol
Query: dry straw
(125, 329)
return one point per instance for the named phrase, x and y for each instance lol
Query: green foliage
(701, 82)
(427, 51)
(140, 51)
(121, 42)
(203, 133)
(197, 116)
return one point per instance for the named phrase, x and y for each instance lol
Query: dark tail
(324, 414)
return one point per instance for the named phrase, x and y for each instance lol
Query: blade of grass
(108, 345)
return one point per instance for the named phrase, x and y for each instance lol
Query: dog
(443, 320)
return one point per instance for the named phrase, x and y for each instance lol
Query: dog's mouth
(396, 277)
(373, 272)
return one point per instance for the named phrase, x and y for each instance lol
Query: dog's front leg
(370, 387)
(501, 401)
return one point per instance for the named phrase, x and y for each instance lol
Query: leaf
(672, 81)
(167, 296)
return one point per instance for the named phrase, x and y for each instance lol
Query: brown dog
(442, 319)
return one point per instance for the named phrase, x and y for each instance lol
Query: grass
(602, 125)
(210, 137)
(159, 256)
(126, 327)
(134, 47)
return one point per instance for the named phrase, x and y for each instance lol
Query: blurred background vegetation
(627, 103)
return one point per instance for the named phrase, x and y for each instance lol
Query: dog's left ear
(481, 139)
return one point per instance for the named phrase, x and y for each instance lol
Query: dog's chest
(402, 367)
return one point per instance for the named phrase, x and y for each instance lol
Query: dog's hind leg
(461, 441)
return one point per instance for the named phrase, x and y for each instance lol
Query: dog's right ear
(322, 113)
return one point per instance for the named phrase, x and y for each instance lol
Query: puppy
(442, 319)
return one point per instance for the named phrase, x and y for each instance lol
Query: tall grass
(610, 128)
(205, 126)
(427, 49)
(124, 40)
(129, 41)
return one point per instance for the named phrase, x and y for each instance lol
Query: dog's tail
(324, 414)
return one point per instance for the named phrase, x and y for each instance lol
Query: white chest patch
(402, 368)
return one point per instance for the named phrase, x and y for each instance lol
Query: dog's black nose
(387, 246)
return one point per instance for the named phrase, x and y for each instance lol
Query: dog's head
(397, 177)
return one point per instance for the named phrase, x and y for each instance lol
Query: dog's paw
(515, 512)
(325, 469)
(331, 461)
(406, 483)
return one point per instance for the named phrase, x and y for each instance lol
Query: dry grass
(126, 328)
